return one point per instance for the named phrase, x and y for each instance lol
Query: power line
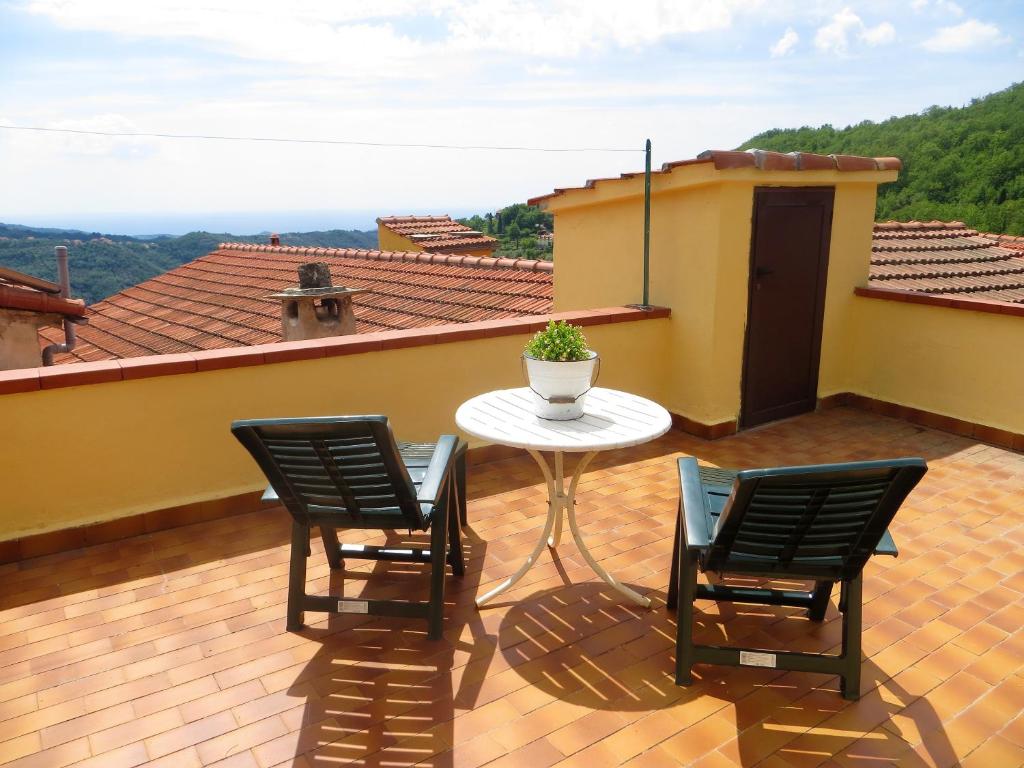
(278, 140)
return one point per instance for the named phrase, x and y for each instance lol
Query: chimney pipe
(62, 271)
(64, 278)
(316, 309)
(275, 239)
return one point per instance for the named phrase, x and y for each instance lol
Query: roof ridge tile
(32, 300)
(426, 257)
(763, 160)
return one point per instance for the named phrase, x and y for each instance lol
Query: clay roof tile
(945, 259)
(439, 234)
(222, 299)
(23, 292)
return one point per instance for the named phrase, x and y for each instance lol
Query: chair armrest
(270, 496)
(886, 546)
(440, 464)
(691, 496)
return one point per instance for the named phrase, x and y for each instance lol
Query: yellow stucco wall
(489, 252)
(700, 256)
(853, 217)
(952, 362)
(392, 241)
(79, 455)
(387, 240)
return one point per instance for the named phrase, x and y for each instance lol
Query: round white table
(611, 419)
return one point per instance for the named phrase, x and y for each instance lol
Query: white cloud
(177, 18)
(880, 35)
(967, 36)
(340, 37)
(70, 148)
(835, 36)
(567, 28)
(546, 70)
(362, 36)
(124, 147)
(943, 6)
(785, 44)
(949, 7)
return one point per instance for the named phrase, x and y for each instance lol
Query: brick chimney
(275, 239)
(316, 309)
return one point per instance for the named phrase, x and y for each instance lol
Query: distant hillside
(963, 164)
(105, 264)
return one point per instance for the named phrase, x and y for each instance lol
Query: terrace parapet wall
(91, 443)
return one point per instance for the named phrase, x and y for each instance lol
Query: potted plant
(561, 370)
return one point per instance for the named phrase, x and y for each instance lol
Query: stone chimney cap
(313, 293)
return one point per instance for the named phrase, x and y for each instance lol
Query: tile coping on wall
(76, 374)
(759, 159)
(951, 302)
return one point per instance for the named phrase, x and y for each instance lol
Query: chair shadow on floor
(584, 645)
(377, 692)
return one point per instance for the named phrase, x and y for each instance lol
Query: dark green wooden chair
(347, 472)
(816, 523)
(416, 457)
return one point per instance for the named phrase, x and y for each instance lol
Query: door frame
(824, 251)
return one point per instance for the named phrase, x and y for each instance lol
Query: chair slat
(797, 514)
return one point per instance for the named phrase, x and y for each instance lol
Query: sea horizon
(232, 222)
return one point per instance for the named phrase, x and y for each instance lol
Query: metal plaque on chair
(755, 659)
(354, 606)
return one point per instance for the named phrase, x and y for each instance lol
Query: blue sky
(689, 74)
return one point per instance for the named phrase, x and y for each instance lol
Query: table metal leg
(636, 597)
(558, 489)
(560, 501)
(555, 500)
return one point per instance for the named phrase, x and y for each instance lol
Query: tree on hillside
(513, 234)
(517, 228)
(959, 163)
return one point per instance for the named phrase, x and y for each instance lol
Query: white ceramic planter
(559, 388)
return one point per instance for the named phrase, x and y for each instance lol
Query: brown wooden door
(788, 269)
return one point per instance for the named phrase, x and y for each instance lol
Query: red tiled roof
(1013, 242)
(946, 259)
(31, 294)
(222, 299)
(760, 159)
(438, 234)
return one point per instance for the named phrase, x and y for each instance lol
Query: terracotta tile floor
(170, 649)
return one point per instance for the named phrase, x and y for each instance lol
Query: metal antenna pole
(647, 223)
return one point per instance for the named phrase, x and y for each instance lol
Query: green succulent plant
(559, 342)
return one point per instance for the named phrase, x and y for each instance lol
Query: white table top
(611, 419)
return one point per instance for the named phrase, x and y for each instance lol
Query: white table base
(560, 501)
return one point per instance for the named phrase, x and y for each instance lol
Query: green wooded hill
(102, 265)
(959, 163)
